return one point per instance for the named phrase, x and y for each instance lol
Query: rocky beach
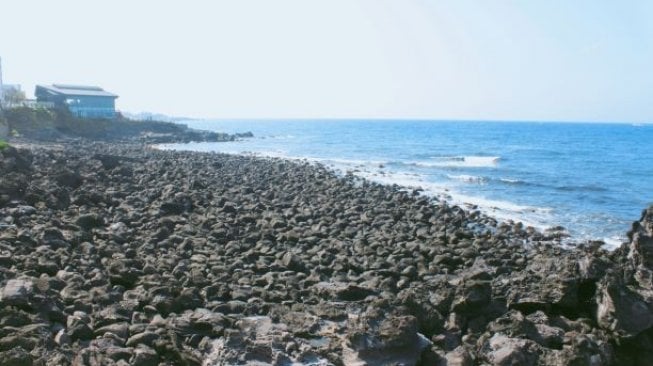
(121, 254)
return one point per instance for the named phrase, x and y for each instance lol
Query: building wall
(92, 107)
(87, 112)
(90, 102)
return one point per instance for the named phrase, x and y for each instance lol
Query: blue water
(593, 179)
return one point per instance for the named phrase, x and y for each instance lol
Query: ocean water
(592, 179)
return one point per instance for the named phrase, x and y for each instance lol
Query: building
(82, 101)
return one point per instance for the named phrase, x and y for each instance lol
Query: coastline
(122, 252)
(501, 212)
(534, 173)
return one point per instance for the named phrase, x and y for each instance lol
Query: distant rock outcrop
(49, 125)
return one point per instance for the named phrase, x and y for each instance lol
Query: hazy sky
(517, 60)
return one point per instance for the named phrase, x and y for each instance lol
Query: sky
(558, 60)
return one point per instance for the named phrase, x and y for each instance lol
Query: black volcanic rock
(15, 170)
(121, 254)
(625, 294)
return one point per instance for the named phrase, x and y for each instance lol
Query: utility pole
(2, 92)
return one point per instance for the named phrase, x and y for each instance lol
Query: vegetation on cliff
(45, 124)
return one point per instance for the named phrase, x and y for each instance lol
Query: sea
(592, 179)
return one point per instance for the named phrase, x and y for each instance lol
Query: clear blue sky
(513, 60)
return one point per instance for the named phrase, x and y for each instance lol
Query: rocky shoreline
(118, 254)
(58, 125)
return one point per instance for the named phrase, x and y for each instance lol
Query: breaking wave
(468, 178)
(459, 162)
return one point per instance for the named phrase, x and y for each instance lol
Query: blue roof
(77, 90)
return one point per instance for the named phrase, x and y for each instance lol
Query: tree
(14, 95)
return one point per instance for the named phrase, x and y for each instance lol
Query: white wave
(540, 218)
(511, 180)
(260, 154)
(271, 153)
(610, 243)
(407, 180)
(352, 162)
(459, 162)
(613, 242)
(276, 137)
(468, 178)
(537, 217)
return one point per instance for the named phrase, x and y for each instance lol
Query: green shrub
(25, 120)
(3, 145)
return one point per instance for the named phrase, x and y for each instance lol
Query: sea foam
(468, 178)
(459, 162)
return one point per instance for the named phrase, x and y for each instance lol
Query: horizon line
(422, 119)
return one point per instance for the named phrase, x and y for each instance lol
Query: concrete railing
(27, 104)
